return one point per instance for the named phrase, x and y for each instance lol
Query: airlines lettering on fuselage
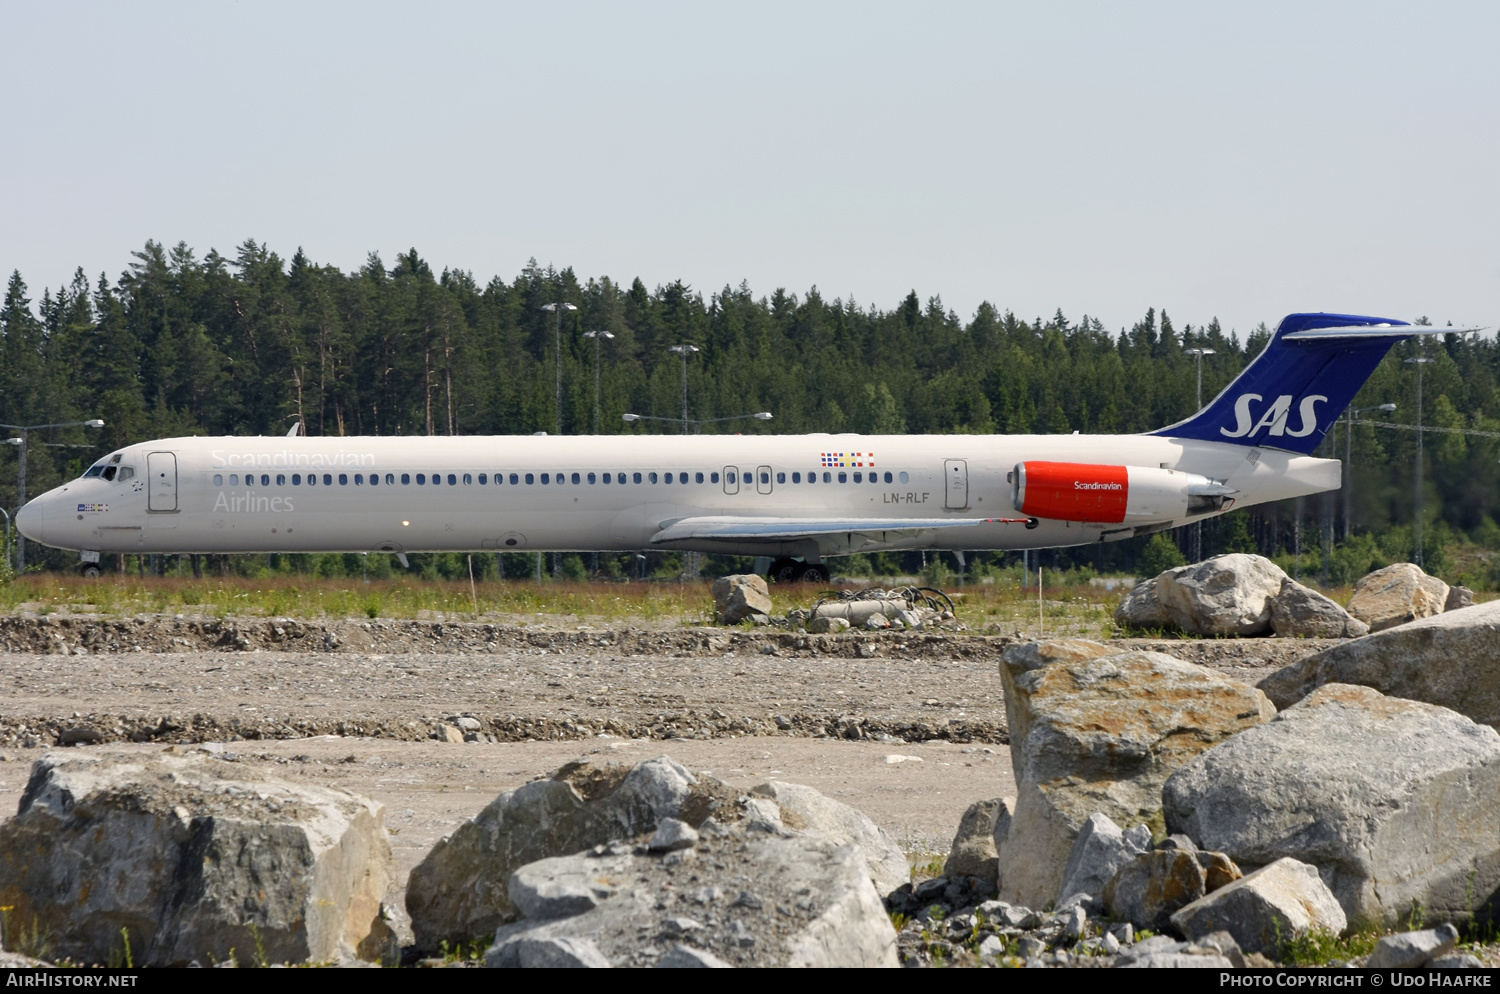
(1274, 416)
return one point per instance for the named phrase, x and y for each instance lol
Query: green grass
(1320, 947)
(1079, 610)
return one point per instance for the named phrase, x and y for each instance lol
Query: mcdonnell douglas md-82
(796, 498)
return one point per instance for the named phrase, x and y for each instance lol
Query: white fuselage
(548, 493)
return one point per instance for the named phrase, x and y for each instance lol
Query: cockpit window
(94, 471)
(126, 473)
(109, 472)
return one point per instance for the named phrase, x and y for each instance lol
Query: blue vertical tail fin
(1291, 394)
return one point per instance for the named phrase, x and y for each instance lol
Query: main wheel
(784, 571)
(814, 573)
(89, 571)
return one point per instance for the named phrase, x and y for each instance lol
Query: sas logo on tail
(1274, 416)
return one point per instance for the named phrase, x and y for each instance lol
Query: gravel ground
(909, 728)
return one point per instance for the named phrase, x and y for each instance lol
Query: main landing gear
(795, 571)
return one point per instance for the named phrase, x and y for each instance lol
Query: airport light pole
(1199, 354)
(596, 335)
(1348, 456)
(1416, 524)
(685, 351)
(21, 444)
(558, 309)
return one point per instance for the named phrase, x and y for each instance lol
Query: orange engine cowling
(1071, 491)
(1091, 492)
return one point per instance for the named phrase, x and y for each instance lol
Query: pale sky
(1238, 160)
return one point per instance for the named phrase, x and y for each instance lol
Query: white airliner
(797, 498)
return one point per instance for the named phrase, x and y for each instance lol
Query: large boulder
(749, 892)
(1096, 731)
(1266, 909)
(741, 596)
(1301, 612)
(461, 889)
(1395, 595)
(1141, 608)
(1395, 802)
(973, 853)
(1452, 660)
(1224, 595)
(198, 859)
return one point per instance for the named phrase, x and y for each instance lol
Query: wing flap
(781, 529)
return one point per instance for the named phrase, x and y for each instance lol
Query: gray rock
(1265, 909)
(1100, 733)
(1396, 595)
(680, 956)
(1178, 841)
(1075, 924)
(973, 853)
(562, 887)
(1005, 814)
(461, 888)
(991, 946)
(1178, 961)
(1300, 612)
(741, 596)
(1225, 595)
(672, 834)
(1152, 886)
(1409, 949)
(1006, 915)
(1098, 854)
(827, 626)
(1456, 961)
(1141, 608)
(805, 809)
(1346, 780)
(814, 905)
(1458, 597)
(558, 952)
(195, 859)
(1452, 660)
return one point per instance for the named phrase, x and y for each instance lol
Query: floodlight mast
(21, 444)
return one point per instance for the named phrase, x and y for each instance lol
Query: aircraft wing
(782, 529)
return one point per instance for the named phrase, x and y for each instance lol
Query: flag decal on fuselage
(849, 460)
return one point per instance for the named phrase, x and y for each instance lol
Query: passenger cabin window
(405, 479)
(591, 477)
(576, 478)
(530, 479)
(374, 479)
(343, 479)
(359, 479)
(713, 477)
(697, 477)
(514, 478)
(296, 479)
(327, 479)
(636, 477)
(281, 479)
(859, 477)
(421, 479)
(904, 477)
(453, 480)
(234, 479)
(482, 479)
(796, 477)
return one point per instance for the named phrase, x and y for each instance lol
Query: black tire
(814, 573)
(784, 571)
(89, 571)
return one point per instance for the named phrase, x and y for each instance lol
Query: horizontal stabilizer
(1375, 331)
(785, 529)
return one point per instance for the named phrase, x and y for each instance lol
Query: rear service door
(956, 480)
(161, 481)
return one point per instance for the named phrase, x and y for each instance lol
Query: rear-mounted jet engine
(1067, 491)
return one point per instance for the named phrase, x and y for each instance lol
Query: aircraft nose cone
(29, 520)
